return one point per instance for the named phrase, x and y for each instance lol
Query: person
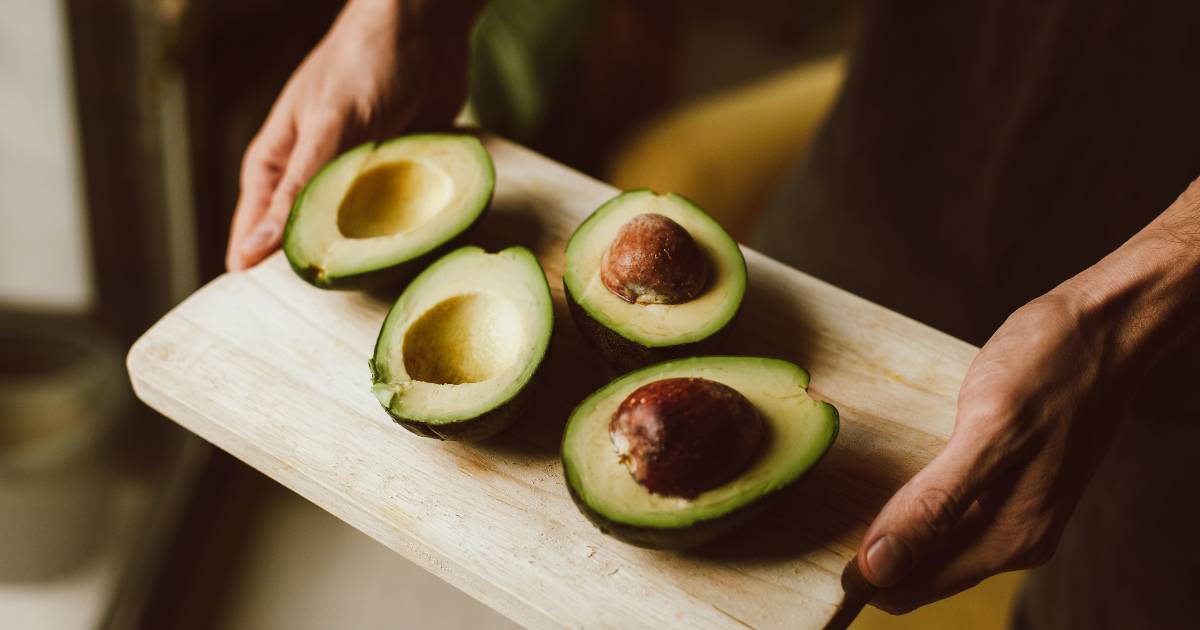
(1020, 172)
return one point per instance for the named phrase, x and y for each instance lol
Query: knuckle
(992, 405)
(935, 511)
(326, 118)
(996, 417)
(256, 153)
(1034, 546)
(286, 191)
(257, 162)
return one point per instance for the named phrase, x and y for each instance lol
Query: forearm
(1145, 296)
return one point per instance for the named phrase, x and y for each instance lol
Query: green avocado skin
(676, 539)
(487, 424)
(623, 355)
(387, 277)
(704, 531)
(473, 430)
(478, 428)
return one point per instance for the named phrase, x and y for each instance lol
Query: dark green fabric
(521, 51)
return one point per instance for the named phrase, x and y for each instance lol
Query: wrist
(1141, 298)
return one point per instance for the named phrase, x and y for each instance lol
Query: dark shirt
(982, 152)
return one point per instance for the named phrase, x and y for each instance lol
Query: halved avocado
(634, 334)
(463, 343)
(799, 431)
(380, 212)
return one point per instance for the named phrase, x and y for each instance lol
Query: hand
(1036, 412)
(384, 66)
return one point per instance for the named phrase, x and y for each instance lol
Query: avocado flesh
(381, 211)
(462, 342)
(799, 432)
(631, 335)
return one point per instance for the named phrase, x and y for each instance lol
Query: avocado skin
(387, 277)
(392, 276)
(675, 539)
(478, 428)
(473, 430)
(623, 355)
(696, 534)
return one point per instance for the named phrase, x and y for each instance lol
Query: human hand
(1036, 412)
(385, 66)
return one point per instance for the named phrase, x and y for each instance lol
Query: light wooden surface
(275, 372)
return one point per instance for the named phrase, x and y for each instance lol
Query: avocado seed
(654, 260)
(682, 436)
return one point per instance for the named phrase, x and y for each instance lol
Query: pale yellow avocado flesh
(656, 325)
(380, 204)
(393, 197)
(465, 337)
(800, 430)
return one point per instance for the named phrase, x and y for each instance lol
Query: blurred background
(125, 121)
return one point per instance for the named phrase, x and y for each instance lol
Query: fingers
(923, 512)
(262, 167)
(316, 143)
(949, 565)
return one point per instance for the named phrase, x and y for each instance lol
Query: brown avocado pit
(682, 436)
(654, 260)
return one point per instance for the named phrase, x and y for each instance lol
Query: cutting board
(274, 371)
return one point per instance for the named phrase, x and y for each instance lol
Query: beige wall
(44, 260)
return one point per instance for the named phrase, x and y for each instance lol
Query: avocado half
(463, 343)
(629, 335)
(800, 431)
(381, 211)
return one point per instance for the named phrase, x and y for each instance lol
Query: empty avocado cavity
(468, 338)
(463, 342)
(392, 198)
(380, 212)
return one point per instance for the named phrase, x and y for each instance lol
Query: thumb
(925, 510)
(314, 147)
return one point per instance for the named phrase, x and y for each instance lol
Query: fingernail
(889, 560)
(261, 237)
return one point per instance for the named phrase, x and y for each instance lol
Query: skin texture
(682, 436)
(654, 260)
(385, 67)
(1036, 413)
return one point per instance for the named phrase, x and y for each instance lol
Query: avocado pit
(654, 260)
(682, 436)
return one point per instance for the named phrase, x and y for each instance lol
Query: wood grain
(274, 371)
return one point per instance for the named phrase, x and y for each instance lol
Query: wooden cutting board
(275, 372)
